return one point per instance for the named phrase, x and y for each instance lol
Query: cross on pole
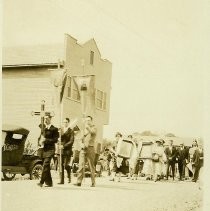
(42, 113)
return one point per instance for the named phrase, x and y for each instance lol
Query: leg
(46, 175)
(91, 163)
(81, 167)
(173, 169)
(183, 171)
(196, 174)
(180, 166)
(67, 167)
(167, 169)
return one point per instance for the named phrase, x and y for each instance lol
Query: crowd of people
(165, 161)
(122, 156)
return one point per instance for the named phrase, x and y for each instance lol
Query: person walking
(115, 163)
(67, 140)
(87, 152)
(50, 137)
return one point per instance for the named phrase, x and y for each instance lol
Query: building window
(69, 87)
(73, 92)
(104, 101)
(100, 99)
(91, 57)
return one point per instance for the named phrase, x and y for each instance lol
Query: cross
(42, 113)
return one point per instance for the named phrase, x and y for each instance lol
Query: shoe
(112, 179)
(93, 185)
(48, 186)
(77, 184)
(69, 180)
(61, 183)
(40, 185)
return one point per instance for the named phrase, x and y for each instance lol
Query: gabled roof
(32, 55)
(92, 40)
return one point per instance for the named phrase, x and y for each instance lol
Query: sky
(156, 49)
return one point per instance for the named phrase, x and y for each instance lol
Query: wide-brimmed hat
(118, 134)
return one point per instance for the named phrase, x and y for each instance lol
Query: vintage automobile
(14, 161)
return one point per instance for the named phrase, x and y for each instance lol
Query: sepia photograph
(104, 104)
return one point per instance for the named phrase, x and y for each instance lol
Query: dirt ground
(23, 194)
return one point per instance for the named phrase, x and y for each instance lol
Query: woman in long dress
(116, 162)
(157, 160)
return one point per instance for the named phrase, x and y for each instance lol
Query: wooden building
(26, 82)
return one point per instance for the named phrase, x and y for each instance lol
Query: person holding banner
(118, 163)
(51, 136)
(133, 158)
(67, 140)
(87, 152)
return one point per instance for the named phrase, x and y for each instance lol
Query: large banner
(58, 81)
(86, 87)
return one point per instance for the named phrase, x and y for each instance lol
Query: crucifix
(42, 113)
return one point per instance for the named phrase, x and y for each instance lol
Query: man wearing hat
(50, 137)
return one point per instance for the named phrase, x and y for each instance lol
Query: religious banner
(86, 87)
(58, 80)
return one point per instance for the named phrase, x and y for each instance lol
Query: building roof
(32, 55)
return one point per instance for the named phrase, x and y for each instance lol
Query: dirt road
(127, 195)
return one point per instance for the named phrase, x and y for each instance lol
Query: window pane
(104, 101)
(69, 87)
(99, 103)
(99, 95)
(91, 57)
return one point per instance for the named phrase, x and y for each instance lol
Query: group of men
(183, 156)
(50, 138)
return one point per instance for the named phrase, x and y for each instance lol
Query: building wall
(23, 89)
(76, 55)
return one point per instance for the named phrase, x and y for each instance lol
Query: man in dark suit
(182, 155)
(197, 162)
(67, 140)
(50, 137)
(170, 153)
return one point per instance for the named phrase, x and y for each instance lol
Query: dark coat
(198, 158)
(67, 140)
(171, 155)
(51, 136)
(182, 155)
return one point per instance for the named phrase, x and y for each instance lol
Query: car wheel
(36, 172)
(8, 176)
